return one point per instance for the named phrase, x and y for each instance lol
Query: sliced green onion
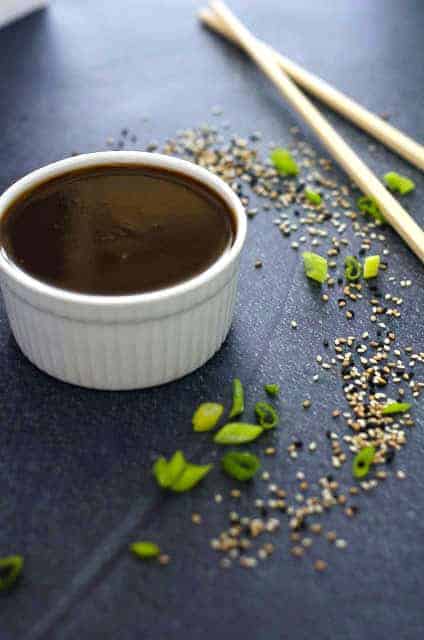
(272, 389)
(313, 196)
(240, 465)
(192, 475)
(178, 474)
(237, 407)
(10, 570)
(284, 162)
(396, 407)
(401, 184)
(368, 205)
(166, 473)
(371, 266)
(362, 462)
(206, 416)
(238, 433)
(145, 550)
(266, 414)
(353, 269)
(315, 266)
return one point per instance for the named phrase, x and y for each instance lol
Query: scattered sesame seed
(371, 363)
(316, 528)
(270, 451)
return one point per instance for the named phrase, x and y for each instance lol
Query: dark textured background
(74, 464)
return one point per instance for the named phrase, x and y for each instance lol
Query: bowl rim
(136, 158)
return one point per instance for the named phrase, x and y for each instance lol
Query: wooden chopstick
(363, 177)
(399, 142)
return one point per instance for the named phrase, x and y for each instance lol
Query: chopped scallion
(313, 196)
(178, 474)
(191, 475)
(206, 416)
(362, 462)
(272, 389)
(353, 269)
(316, 267)
(145, 550)
(396, 407)
(237, 407)
(368, 205)
(398, 183)
(238, 433)
(10, 570)
(240, 465)
(266, 414)
(371, 266)
(284, 162)
(166, 473)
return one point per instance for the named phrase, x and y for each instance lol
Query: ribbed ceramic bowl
(131, 341)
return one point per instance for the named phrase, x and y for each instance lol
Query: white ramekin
(131, 341)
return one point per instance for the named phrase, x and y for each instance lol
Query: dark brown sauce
(116, 230)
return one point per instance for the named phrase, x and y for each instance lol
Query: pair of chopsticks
(278, 69)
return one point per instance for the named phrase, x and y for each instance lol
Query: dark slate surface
(74, 464)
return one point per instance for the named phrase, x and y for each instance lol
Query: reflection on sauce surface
(117, 229)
